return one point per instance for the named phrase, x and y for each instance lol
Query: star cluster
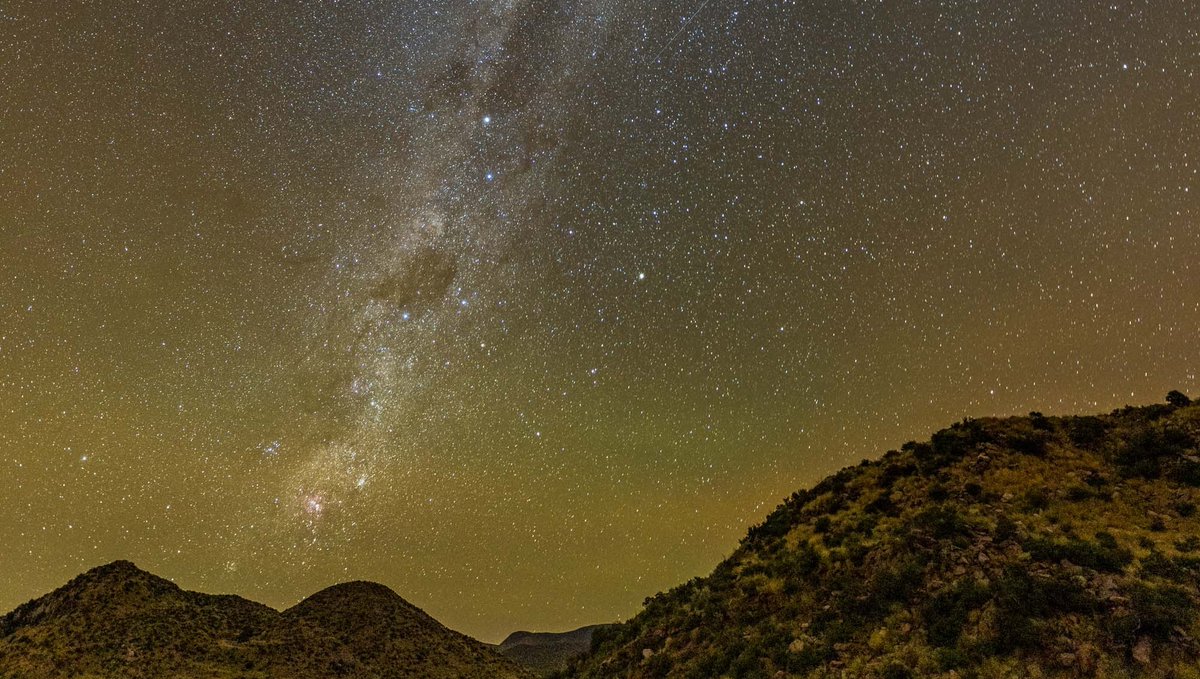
(528, 309)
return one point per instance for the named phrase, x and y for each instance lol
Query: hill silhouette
(119, 621)
(1025, 546)
(546, 652)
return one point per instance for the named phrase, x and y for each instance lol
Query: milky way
(527, 310)
(434, 239)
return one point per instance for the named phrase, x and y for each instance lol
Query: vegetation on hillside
(1027, 546)
(119, 621)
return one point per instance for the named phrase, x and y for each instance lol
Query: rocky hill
(546, 652)
(1028, 546)
(119, 621)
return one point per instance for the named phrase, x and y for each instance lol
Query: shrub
(1023, 600)
(947, 612)
(941, 521)
(1087, 431)
(1155, 611)
(883, 505)
(1035, 499)
(1006, 528)
(951, 658)
(894, 472)
(1178, 399)
(894, 585)
(797, 565)
(1032, 442)
(1040, 421)
(1150, 450)
(1160, 565)
(1190, 543)
(955, 442)
(1079, 493)
(1103, 555)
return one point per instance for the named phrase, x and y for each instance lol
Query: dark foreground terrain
(1017, 547)
(119, 621)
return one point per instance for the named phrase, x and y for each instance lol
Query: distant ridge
(117, 620)
(546, 652)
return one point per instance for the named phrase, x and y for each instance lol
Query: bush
(960, 439)
(894, 585)
(894, 472)
(1022, 601)
(1040, 421)
(1032, 442)
(1155, 611)
(1178, 399)
(1103, 555)
(1155, 448)
(1087, 431)
(883, 505)
(1006, 528)
(1035, 499)
(797, 565)
(1079, 493)
(947, 612)
(941, 521)
(1160, 565)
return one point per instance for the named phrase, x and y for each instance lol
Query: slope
(1027, 546)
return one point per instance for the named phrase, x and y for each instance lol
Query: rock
(1007, 497)
(1066, 659)
(797, 646)
(647, 653)
(1141, 650)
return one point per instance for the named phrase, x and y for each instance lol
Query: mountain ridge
(547, 652)
(1001, 547)
(116, 620)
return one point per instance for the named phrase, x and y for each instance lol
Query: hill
(119, 621)
(546, 652)
(1027, 546)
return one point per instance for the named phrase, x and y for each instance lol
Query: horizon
(433, 606)
(529, 311)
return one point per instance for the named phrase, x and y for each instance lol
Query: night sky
(528, 309)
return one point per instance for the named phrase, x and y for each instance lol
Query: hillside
(546, 652)
(1026, 546)
(119, 621)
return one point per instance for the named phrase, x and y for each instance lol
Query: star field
(527, 310)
